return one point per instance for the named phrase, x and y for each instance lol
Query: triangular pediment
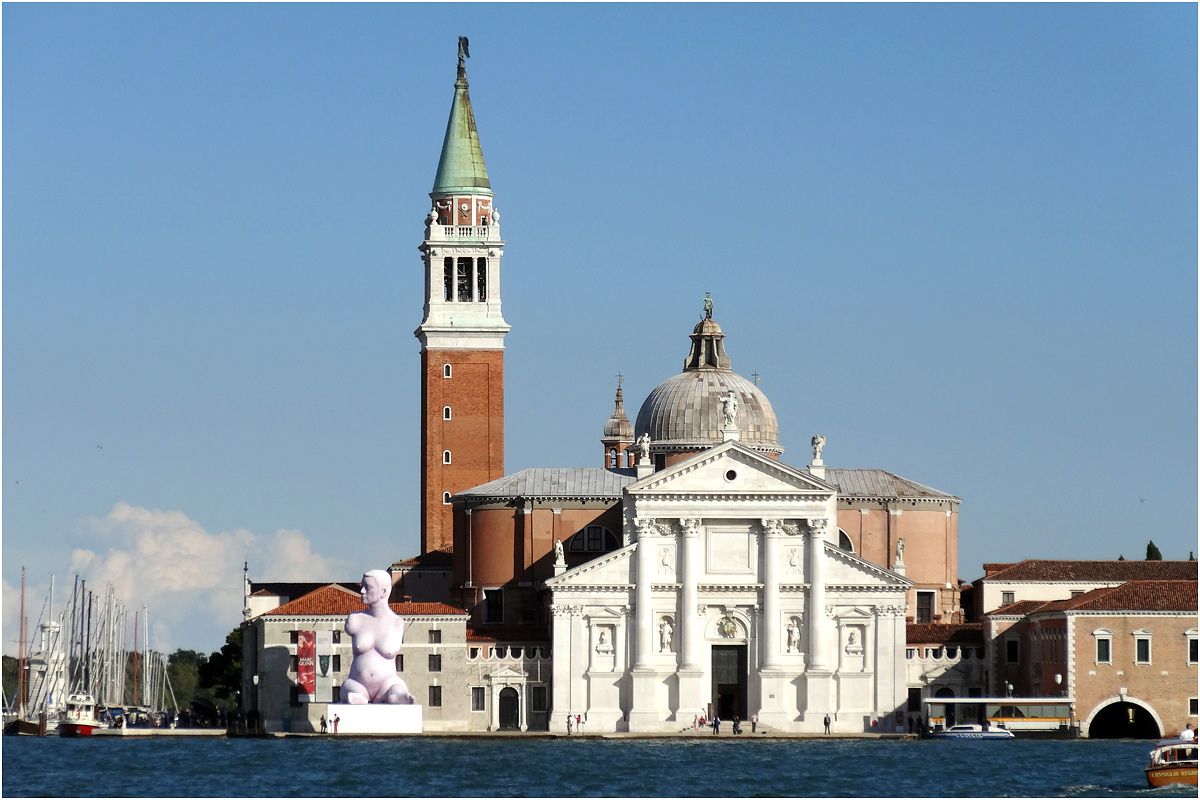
(610, 569)
(507, 672)
(846, 569)
(732, 469)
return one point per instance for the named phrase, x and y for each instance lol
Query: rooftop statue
(707, 305)
(818, 444)
(376, 635)
(729, 407)
(464, 51)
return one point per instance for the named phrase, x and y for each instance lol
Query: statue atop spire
(464, 52)
(708, 305)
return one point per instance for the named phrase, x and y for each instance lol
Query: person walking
(827, 721)
(754, 722)
(716, 725)
(324, 725)
(336, 720)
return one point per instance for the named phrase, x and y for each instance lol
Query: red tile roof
(333, 600)
(1132, 596)
(968, 633)
(1017, 609)
(1036, 569)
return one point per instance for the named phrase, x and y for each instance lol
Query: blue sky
(959, 241)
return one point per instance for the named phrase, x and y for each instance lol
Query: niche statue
(376, 635)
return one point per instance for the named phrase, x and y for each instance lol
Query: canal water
(579, 767)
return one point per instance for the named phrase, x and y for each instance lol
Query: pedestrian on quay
(716, 725)
(578, 724)
(336, 720)
(568, 724)
(827, 721)
(324, 725)
(754, 722)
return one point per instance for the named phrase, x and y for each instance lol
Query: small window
(399, 662)
(435, 662)
(446, 457)
(447, 371)
(493, 606)
(294, 664)
(1012, 651)
(612, 459)
(294, 637)
(1103, 650)
(537, 699)
(1076, 592)
(952, 652)
(910, 653)
(844, 542)
(435, 697)
(337, 693)
(435, 637)
(337, 663)
(1192, 706)
(1142, 650)
(445, 498)
(477, 698)
(924, 607)
(337, 637)
(937, 652)
(447, 414)
(1008, 598)
(463, 279)
(1193, 648)
(481, 278)
(592, 539)
(448, 285)
(473, 653)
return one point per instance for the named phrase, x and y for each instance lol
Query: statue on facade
(818, 445)
(793, 637)
(707, 305)
(560, 558)
(666, 634)
(900, 550)
(643, 446)
(376, 635)
(729, 407)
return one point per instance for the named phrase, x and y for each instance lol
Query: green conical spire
(461, 169)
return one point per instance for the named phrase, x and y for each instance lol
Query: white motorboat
(972, 732)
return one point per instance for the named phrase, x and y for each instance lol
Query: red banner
(306, 664)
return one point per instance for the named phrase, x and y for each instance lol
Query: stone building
(1124, 655)
(944, 660)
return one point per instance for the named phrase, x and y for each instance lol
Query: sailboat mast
(21, 654)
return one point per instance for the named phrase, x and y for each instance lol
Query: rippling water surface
(525, 767)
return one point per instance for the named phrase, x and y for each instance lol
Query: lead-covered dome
(685, 411)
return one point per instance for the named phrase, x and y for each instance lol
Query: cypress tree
(1152, 552)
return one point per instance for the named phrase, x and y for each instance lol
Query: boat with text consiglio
(1172, 761)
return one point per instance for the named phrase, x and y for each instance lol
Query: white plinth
(375, 719)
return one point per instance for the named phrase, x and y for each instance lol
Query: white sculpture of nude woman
(376, 634)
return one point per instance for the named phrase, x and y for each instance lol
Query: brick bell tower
(462, 333)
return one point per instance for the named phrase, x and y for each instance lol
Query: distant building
(944, 661)
(1124, 655)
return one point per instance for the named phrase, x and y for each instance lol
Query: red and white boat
(80, 717)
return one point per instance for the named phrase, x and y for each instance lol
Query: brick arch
(1108, 701)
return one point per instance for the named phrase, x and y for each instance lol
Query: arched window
(445, 456)
(844, 541)
(593, 539)
(447, 370)
(612, 459)
(445, 498)
(446, 413)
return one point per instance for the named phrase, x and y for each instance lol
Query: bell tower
(462, 332)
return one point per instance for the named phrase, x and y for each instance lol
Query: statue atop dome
(707, 305)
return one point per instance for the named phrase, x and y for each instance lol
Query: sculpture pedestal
(375, 719)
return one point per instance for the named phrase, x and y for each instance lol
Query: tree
(1152, 552)
(10, 680)
(1120, 558)
(183, 670)
(222, 671)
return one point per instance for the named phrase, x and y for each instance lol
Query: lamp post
(254, 710)
(1058, 681)
(1009, 687)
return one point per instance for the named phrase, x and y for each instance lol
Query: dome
(684, 412)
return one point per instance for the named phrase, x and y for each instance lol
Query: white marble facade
(728, 594)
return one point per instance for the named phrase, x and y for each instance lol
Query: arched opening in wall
(445, 498)
(951, 708)
(844, 541)
(592, 539)
(612, 459)
(447, 371)
(446, 458)
(1123, 721)
(510, 709)
(446, 413)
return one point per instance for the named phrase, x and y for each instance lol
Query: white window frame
(447, 371)
(1192, 637)
(1138, 636)
(1008, 598)
(482, 693)
(1102, 634)
(932, 606)
(447, 414)
(447, 458)
(446, 499)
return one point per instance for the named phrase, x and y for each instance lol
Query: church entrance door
(510, 710)
(729, 680)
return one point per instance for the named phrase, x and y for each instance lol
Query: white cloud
(189, 578)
